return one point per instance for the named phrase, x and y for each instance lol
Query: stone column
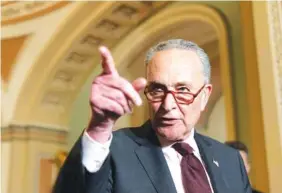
(27, 153)
(268, 31)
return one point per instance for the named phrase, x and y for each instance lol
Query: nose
(169, 102)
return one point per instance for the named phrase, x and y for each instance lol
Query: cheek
(154, 107)
(192, 112)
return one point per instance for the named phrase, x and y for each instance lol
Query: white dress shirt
(94, 155)
(173, 159)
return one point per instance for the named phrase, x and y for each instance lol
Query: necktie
(194, 178)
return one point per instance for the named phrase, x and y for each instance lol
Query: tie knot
(183, 148)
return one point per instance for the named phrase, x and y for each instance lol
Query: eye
(156, 92)
(156, 88)
(183, 89)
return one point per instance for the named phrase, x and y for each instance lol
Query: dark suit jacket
(136, 164)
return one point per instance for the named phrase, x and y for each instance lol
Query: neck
(164, 142)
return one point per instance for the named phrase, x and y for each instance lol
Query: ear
(248, 168)
(205, 96)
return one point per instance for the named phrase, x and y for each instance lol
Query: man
(166, 154)
(244, 152)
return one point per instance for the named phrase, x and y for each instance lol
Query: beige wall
(264, 14)
(23, 150)
(5, 165)
(216, 127)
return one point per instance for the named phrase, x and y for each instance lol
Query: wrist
(99, 136)
(100, 131)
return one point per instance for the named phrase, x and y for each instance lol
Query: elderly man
(165, 154)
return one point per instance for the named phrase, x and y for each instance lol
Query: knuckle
(97, 79)
(116, 109)
(120, 96)
(94, 101)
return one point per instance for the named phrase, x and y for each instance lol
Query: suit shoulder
(128, 132)
(218, 145)
(124, 131)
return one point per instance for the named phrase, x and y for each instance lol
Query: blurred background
(49, 57)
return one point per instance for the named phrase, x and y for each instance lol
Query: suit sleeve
(245, 178)
(74, 178)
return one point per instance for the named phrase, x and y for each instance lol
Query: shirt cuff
(94, 153)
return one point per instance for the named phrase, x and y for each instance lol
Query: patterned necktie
(194, 178)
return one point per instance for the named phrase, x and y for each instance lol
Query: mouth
(167, 120)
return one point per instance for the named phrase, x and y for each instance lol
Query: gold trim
(35, 133)
(59, 158)
(259, 175)
(262, 14)
(275, 20)
(5, 3)
(33, 15)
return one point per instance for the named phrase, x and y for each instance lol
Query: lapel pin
(215, 162)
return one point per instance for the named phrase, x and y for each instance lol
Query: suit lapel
(208, 154)
(153, 161)
(156, 167)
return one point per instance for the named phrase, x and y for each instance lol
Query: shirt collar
(190, 140)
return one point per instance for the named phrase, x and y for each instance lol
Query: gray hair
(186, 45)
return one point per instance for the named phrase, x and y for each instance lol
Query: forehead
(172, 66)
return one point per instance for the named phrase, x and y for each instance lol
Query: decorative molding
(79, 55)
(107, 25)
(148, 3)
(275, 27)
(91, 40)
(53, 98)
(63, 76)
(31, 144)
(126, 11)
(75, 55)
(4, 3)
(77, 58)
(19, 11)
(31, 132)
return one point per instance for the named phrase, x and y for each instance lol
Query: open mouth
(167, 121)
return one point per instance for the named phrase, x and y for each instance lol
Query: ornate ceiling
(68, 54)
(13, 12)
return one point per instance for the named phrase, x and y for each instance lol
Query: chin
(172, 133)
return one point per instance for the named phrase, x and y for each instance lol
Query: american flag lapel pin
(215, 162)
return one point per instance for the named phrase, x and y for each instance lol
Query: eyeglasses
(181, 97)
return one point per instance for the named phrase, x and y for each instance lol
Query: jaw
(170, 134)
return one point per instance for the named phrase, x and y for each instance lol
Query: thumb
(139, 83)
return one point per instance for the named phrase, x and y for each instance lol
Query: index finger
(108, 64)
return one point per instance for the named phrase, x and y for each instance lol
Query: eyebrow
(182, 83)
(156, 82)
